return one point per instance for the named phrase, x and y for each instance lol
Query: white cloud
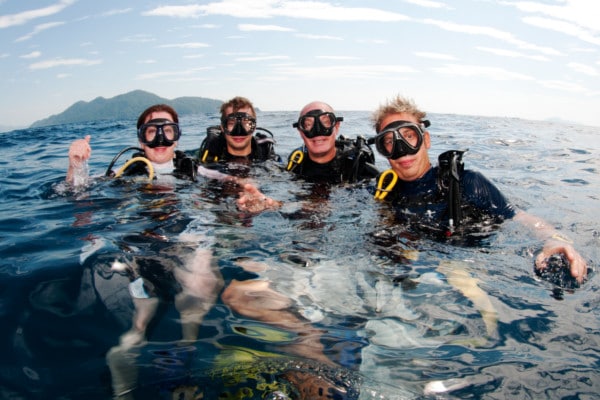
(252, 27)
(206, 26)
(494, 73)
(428, 3)
(139, 38)
(60, 62)
(38, 29)
(261, 58)
(26, 16)
(583, 69)
(373, 41)
(491, 32)
(190, 45)
(583, 13)
(337, 58)
(317, 37)
(173, 75)
(564, 27)
(276, 8)
(435, 56)
(33, 54)
(511, 53)
(564, 86)
(110, 13)
(345, 71)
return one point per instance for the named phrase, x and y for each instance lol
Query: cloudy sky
(527, 59)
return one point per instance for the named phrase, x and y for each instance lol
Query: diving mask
(239, 124)
(317, 123)
(400, 138)
(159, 132)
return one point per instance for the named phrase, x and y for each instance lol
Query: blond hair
(396, 105)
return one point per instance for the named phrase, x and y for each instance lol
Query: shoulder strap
(265, 145)
(359, 160)
(184, 166)
(212, 145)
(450, 171)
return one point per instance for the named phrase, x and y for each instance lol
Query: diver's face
(320, 148)
(160, 154)
(239, 145)
(412, 166)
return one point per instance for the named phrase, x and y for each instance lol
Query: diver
(448, 199)
(237, 138)
(324, 157)
(158, 133)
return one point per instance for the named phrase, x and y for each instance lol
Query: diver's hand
(253, 200)
(79, 152)
(577, 263)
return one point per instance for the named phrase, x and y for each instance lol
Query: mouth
(405, 163)
(319, 141)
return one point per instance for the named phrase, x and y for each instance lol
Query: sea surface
(398, 314)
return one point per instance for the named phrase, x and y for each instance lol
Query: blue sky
(526, 59)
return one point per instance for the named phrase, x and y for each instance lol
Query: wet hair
(396, 105)
(236, 104)
(157, 108)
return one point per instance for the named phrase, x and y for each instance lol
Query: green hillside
(127, 106)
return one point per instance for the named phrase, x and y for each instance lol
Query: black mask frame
(160, 138)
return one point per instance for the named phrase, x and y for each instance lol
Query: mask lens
(317, 123)
(239, 124)
(171, 131)
(410, 135)
(149, 133)
(398, 139)
(384, 143)
(160, 132)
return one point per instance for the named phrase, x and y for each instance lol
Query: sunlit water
(390, 316)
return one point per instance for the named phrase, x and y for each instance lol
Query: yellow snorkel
(134, 160)
(382, 192)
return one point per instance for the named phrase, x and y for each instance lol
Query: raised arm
(79, 152)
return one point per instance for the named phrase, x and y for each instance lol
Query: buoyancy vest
(449, 172)
(354, 161)
(214, 147)
(184, 167)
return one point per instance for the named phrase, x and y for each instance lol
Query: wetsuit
(424, 202)
(352, 163)
(214, 149)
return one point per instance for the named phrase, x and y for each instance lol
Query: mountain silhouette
(127, 106)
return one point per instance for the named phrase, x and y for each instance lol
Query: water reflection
(380, 297)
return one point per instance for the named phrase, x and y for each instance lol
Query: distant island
(127, 106)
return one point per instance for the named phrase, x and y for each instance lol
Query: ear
(426, 139)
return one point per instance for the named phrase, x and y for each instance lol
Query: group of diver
(446, 200)
(446, 195)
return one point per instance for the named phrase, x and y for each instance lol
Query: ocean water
(398, 313)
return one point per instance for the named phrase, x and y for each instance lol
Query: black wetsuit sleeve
(484, 195)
